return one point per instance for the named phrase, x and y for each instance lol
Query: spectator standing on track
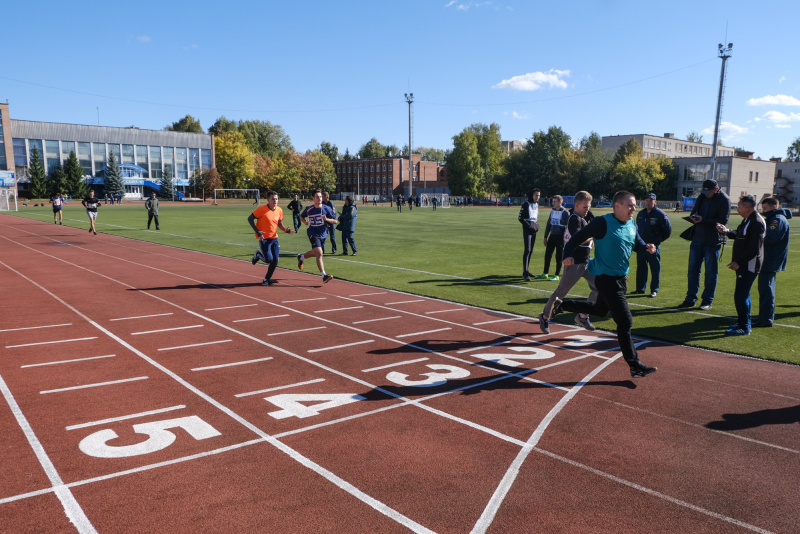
(713, 207)
(296, 208)
(57, 202)
(746, 260)
(326, 200)
(317, 217)
(615, 238)
(347, 223)
(265, 221)
(554, 238)
(529, 218)
(654, 227)
(151, 205)
(580, 217)
(776, 253)
(91, 203)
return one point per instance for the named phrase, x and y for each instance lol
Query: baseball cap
(709, 186)
(650, 195)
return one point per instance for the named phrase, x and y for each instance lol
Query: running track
(151, 389)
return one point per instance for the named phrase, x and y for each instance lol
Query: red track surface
(151, 389)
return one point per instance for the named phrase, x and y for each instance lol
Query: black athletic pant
(554, 242)
(529, 240)
(150, 217)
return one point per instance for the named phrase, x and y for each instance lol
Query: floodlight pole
(724, 55)
(410, 100)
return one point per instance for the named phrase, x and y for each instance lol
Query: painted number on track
(432, 379)
(292, 403)
(512, 360)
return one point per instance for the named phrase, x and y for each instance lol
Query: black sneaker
(556, 307)
(637, 292)
(343, 254)
(268, 282)
(759, 324)
(686, 304)
(255, 257)
(639, 370)
(327, 278)
(544, 324)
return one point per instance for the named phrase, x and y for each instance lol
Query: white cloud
(782, 79)
(520, 116)
(535, 80)
(727, 130)
(783, 126)
(778, 117)
(465, 6)
(143, 38)
(776, 100)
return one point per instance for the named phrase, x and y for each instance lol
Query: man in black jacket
(529, 218)
(654, 227)
(713, 207)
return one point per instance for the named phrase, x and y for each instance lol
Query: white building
(654, 146)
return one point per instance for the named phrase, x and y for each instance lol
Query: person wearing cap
(654, 227)
(713, 207)
(776, 252)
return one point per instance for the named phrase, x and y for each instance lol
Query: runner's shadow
(741, 421)
(198, 286)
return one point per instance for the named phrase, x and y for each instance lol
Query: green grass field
(468, 255)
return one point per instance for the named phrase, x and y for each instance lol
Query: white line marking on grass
(141, 317)
(404, 302)
(97, 385)
(396, 364)
(378, 319)
(296, 331)
(197, 345)
(67, 361)
(446, 311)
(303, 300)
(50, 342)
(124, 417)
(167, 329)
(35, 327)
(231, 364)
(342, 346)
(425, 332)
(339, 309)
(316, 380)
(231, 307)
(71, 507)
(501, 320)
(368, 294)
(260, 318)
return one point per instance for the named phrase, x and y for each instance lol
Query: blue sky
(337, 71)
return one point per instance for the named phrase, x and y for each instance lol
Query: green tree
(187, 124)
(668, 187)
(547, 160)
(113, 180)
(637, 175)
(37, 175)
(514, 180)
(262, 173)
(57, 181)
(392, 151)
(492, 155)
(372, 149)
(265, 138)
(167, 185)
(332, 151)
(464, 170)
(793, 152)
(317, 171)
(234, 160)
(595, 168)
(631, 146)
(285, 174)
(76, 185)
(431, 154)
(347, 156)
(694, 137)
(221, 126)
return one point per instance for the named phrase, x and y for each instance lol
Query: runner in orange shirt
(265, 221)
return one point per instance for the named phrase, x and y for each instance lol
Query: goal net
(8, 199)
(442, 200)
(237, 195)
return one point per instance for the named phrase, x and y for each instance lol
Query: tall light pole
(724, 55)
(410, 100)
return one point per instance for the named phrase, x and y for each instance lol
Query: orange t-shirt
(267, 220)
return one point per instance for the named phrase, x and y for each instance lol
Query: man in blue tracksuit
(654, 227)
(615, 238)
(776, 252)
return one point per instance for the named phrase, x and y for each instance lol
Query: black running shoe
(327, 278)
(556, 307)
(639, 370)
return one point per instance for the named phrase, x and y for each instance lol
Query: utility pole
(724, 55)
(410, 100)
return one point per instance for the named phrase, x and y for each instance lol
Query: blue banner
(7, 179)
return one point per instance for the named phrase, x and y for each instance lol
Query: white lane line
(501, 320)
(339, 309)
(404, 302)
(67, 361)
(71, 507)
(35, 327)
(425, 332)
(342, 346)
(302, 300)
(316, 380)
(260, 318)
(379, 319)
(197, 345)
(368, 294)
(295, 331)
(141, 317)
(445, 311)
(167, 330)
(97, 385)
(51, 342)
(472, 349)
(396, 364)
(124, 417)
(231, 307)
(231, 364)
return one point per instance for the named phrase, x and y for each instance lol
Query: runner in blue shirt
(316, 217)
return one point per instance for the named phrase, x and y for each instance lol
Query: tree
(204, 181)
(167, 186)
(464, 171)
(347, 156)
(37, 175)
(793, 152)
(76, 185)
(265, 138)
(491, 152)
(694, 137)
(392, 151)
(631, 146)
(547, 159)
(431, 154)
(317, 172)
(596, 166)
(187, 124)
(637, 175)
(372, 149)
(221, 126)
(262, 173)
(514, 180)
(57, 181)
(285, 174)
(332, 151)
(234, 160)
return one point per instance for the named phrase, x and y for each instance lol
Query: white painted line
(295, 331)
(231, 364)
(339, 309)
(462, 351)
(396, 364)
(379, 319)
(35, 327)
(280, 387)
(404, 302)
(231, 307)
(302, 300)
(368, 294)
(425, 332)
(197, 345)
(124, 417)
(445, 311)
(67, 361)
(50, 342)
(260, 318)
(343, 346)
(94, 385)
(501, 320)
(167, 329)
(141, 317)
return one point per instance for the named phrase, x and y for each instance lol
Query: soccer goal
(236, 194)
(8, 199)
(442, 200)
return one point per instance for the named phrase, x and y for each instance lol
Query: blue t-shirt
(316, 220)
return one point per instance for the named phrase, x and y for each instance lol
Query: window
(127, 154)
(194, 160)
(169, 159)
(141, 160)
(52, 154)
(751, 176)
(99, 158)
(181, 164)
(156, 172)
(384, 167)
(205, 158)
(85, 157)
(756, 177)
(390, 166)
(20, 153)
(66, 148)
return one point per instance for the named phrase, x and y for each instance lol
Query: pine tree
(167, 186)
(57, 182)
(76, 185)
(38, 177)
(113, 181)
